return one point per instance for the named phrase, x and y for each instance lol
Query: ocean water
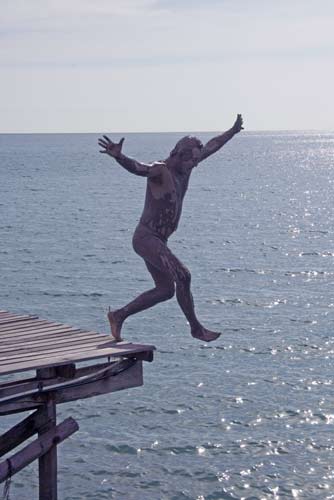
(250, 416)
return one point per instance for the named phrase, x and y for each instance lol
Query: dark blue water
(250, 416)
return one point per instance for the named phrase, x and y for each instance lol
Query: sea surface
(250, 416)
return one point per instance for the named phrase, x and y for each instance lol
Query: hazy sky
(165, 65)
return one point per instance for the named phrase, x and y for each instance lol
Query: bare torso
(163, 202)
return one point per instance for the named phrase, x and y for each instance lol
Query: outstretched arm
(114, 150)
(218, 142)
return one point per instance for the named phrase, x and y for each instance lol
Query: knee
(183, 277)
(168, 293)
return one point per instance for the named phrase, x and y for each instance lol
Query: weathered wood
(37, 448)
(53, 349)
(29, 384)
(16, 319)
(44, 341)
(18, 356)
(59, 340)
(144, 356)
(131, 377)
(25, 349)
(22, 431)
(122, 375)
(11, 315)
(47, 463)
(66, 371)
(25, 325)
(17, 335)
(46, 373)
(23, 404)
(121, 349)
(41, 335)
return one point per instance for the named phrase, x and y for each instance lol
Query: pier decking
(54, 350)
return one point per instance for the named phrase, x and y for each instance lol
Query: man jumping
(167, 183)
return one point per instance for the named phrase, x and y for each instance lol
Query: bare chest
(168, 187)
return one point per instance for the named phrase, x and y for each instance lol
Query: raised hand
(238, 124)
(110, 148)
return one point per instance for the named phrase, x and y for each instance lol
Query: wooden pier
(54, 351)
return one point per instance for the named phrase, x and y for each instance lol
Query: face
(188, 154)
(192, 153)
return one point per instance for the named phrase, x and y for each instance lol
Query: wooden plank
(16, 319)
(22, 431)
(26, 325)
(57, 341)
(7, 313)
(19, 336)
(122, 349)
(37, 448)
(47, 351)
(53, 333)
(41, 335)
(46, 335)
(66, 352)
(46, 346)
(43, 328)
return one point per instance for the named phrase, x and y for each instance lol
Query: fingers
(240, 121)
(238, 125)
(105, 144)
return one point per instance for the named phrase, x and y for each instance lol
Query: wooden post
(37, 448)
(47, 463)
(22, 431)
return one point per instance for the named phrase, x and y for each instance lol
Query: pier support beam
(47, 463)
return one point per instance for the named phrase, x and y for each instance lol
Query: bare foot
(205, 335)
(115, 325)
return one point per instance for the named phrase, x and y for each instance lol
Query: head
(186, 153)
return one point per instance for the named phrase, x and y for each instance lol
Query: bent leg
(164, 290)
(158, 255)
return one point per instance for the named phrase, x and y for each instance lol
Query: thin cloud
(186, 4)
(154, 58)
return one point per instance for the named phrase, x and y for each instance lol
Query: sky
(166, 65)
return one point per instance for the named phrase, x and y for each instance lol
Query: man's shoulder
(160, 164)
(156, 170)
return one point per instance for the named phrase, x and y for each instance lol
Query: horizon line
(168, 132)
